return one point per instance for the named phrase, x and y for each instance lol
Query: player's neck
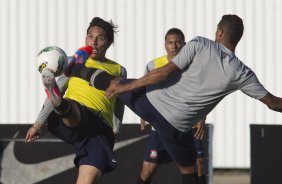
(100, 59)
(169, 57)
(228, 45)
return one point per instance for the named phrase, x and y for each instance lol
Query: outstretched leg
(66, 109)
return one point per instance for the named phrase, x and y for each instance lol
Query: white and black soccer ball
(53, 58)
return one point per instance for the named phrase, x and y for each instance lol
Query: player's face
(96, 37)
(173, 44)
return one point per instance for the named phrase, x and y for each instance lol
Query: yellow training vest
(80, 90)
(160, 62)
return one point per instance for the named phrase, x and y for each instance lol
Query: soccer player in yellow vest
(155, 152)
(84, 117)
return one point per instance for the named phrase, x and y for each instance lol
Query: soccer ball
(52, 58)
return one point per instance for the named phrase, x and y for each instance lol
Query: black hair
(234, 27)
(108, 27)
(175, 31)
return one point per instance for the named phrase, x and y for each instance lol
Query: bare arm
(152, 77)
(274, 103)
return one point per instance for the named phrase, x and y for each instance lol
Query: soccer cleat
(51, 88)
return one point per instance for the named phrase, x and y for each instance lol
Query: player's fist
(80, 57)
(33, 133)
(82, 54)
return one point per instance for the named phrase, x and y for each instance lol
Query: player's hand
(200, 129)
(142, 124)
(80, 57)
(114, 89)
(82, 54)
(33, 133)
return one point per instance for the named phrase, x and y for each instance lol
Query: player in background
(155, 153)
(84, 117)
(172, 98)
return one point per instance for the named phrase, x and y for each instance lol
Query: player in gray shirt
(188, 88)
(209, 72)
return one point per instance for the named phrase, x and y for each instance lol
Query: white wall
(30, 25)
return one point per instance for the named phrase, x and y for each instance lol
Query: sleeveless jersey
(95, 99)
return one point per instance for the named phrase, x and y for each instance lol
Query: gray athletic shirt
(209, 72)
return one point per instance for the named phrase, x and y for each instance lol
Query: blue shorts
(179, 145)
(93, 139)
(156, 153)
